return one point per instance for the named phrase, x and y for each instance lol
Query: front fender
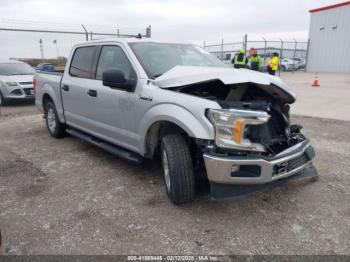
(194, 123)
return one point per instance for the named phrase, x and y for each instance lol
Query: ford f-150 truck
(140, 98)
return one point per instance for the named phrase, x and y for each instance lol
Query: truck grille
(290, 165)
(27, 91)
(25, 83)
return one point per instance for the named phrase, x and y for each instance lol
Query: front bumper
(250, 170)
(19, 92)
(224, 191)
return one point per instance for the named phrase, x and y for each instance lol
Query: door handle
(92, 93)
(65, 87)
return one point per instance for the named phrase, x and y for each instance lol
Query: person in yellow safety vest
(272, 66)
(240, 60)
(255, 62)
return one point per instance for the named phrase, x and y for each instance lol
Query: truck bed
(48, 82)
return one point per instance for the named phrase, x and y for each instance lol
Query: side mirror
(115, 78)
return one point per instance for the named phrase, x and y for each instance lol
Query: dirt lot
(67, 197)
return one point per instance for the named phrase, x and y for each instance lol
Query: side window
(82, 61)
(113, 57)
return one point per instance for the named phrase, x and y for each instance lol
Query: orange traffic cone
(315, 83)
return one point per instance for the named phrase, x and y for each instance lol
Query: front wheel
(53, 124)
(178, 169)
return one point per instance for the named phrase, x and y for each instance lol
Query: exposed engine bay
(277, 134)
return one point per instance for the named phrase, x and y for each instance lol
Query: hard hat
(242, 51)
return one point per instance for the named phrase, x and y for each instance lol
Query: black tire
(180, 182)
(54, 126)
(3, 101)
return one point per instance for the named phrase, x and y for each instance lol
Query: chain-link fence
(293, 54)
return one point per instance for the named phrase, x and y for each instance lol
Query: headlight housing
(230, 127)
(7, 83)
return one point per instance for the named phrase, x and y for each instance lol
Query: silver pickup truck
(139, 98)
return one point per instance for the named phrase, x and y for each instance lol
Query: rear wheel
(53, 124)
(178, 169)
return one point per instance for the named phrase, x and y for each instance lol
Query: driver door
(113, 110)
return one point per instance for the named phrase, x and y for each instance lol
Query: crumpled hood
(187, 75)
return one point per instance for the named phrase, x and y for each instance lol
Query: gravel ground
(67, 197)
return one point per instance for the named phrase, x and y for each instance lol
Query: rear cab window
(81, 65)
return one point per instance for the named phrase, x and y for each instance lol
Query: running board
(113, 149)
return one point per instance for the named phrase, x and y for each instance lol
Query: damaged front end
(254, 118)
(255, 144)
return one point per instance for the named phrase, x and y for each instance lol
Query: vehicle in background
(288, 64)
(228, 56)
(45, 67)
(139, 99)
(16, 81)
(300, 62)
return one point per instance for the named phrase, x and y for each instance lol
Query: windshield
(9, 69)
(158, 58)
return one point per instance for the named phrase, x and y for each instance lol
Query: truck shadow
(147, 179)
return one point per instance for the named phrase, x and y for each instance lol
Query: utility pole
(149, 31)
(55, 43)
(41, 49)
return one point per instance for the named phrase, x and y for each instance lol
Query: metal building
(329, 36)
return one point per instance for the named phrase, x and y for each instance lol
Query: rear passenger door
(74, 87)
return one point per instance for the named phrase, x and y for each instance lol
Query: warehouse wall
(329, 49)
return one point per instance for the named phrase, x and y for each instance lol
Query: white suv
(16, 81)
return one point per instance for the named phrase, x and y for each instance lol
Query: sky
(193, 21)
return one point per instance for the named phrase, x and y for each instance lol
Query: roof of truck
(129, 40)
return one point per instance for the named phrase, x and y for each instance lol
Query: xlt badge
(147, 98)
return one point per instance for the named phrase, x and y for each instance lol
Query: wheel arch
(171, 118)
(156, 131)
(45, 99)
(49, 94)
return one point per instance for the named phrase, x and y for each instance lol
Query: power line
(61, 28)
(10, 23)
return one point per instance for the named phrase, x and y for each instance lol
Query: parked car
(16, 81)
(300, 62)
(45, 67)
(288, 64)
(139, 98)
(228, 56)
